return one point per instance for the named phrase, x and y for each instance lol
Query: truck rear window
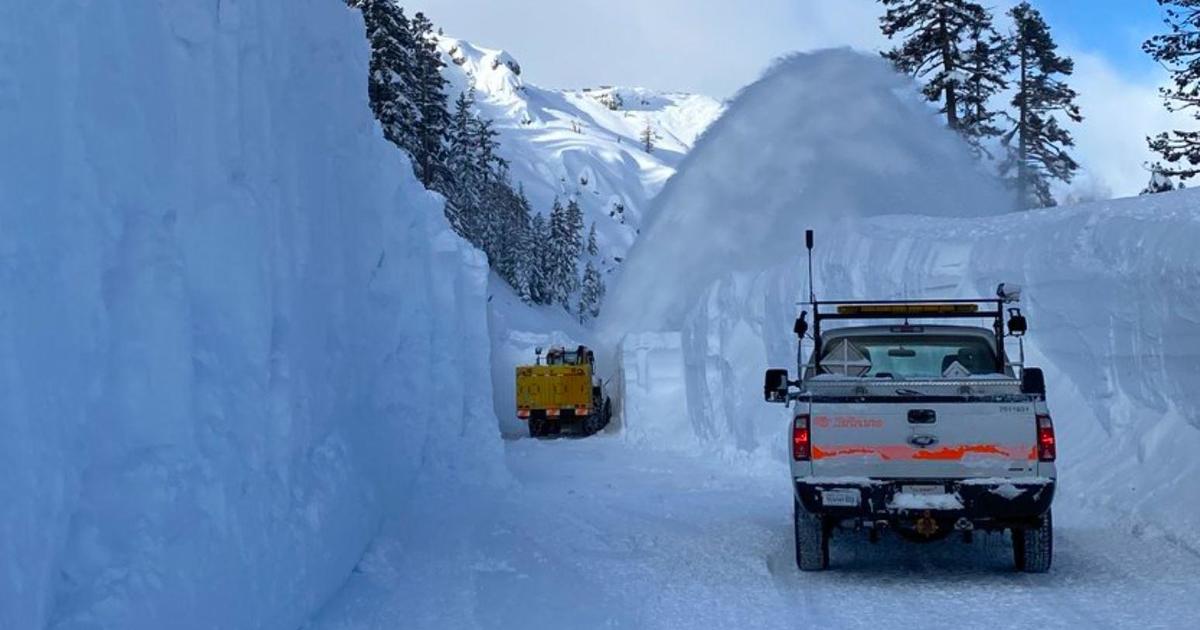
(909, 357)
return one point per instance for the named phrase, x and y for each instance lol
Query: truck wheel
(592, 423)
(1033, 547)
(537, 428)
(812, 540)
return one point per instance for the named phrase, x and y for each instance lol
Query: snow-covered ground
(582, 143)
(596, 533)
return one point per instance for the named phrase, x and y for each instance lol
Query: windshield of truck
(909, 356)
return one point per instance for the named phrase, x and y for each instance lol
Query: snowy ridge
(232, 321)
(572, 143)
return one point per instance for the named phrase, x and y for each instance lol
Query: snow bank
(651, 393)
(234, 330)
(1112, 289)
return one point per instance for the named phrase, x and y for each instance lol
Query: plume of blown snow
(822, 137)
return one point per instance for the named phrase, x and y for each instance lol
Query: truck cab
(923, 429)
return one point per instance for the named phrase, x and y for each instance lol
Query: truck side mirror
(801, 325)
(1017, 325)
(775, 386)
(1033, 382)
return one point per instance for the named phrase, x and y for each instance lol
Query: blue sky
(1115, 28)
(716, 46)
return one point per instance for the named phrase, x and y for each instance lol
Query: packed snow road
(599, 534)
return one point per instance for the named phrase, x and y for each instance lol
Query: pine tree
(537, 252)
(1179, 52)
(1037, 144)
(493, 172)
(565, 247)
(1159, 182)
(934, 33)
(591, 294)
(518, 244)
(509, 256)
(593, 249)
(430, 99)
(647, 138)
(463, 183)
(390, 73)
(986, 66)
(454, 153)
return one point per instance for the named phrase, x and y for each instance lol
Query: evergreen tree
(986, 65)
(934, 48)
(592, 249)
(565, 247)
(464, 182)
(537, 254)
(1037, 145)
(510, 259)
(1179, 52)
(647, 138)
(591, 294)
(457, 154)
(429, 97)
(390, 72)
(496, 191)
(1159, 182)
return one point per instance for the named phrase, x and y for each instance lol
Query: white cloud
(708, 46)
(1119, 112)
(716, 46)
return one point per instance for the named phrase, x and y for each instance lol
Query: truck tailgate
(554, 387)
(918, 438)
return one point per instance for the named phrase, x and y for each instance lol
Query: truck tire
(812, 540)
(1033, 547)
(593, 423)
(537, 427)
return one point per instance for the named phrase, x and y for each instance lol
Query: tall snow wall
(1112, 289)
(234, 331)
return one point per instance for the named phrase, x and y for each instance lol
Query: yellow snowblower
(562, 393)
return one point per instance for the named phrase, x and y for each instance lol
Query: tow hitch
(926, 525)
(967, 528)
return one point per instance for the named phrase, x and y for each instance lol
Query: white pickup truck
(926, 430)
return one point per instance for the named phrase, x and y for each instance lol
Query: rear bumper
(982, 501)
(563, 415)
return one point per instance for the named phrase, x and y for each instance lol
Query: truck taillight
(1045, 437)
(801, 439)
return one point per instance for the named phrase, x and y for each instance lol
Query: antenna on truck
(801, 327)
(808, 242)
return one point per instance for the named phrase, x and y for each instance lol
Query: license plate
(845, 497)
(923, 490)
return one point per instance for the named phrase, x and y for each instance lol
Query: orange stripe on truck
(894, 452)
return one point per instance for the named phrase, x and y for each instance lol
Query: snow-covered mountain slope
(231, 321)
(582, 143)
(1112, 288)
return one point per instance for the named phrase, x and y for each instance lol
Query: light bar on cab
(901, 310)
